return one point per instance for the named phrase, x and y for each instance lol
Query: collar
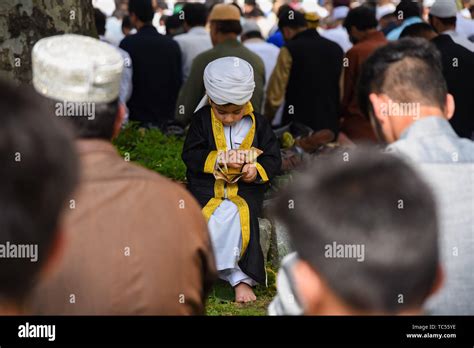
(198, 30)
(229, 42)
(411, 20)
(89, 146)
(304, 33)
(427, 127)
(146, 28)
(254, 40)
(374, 36)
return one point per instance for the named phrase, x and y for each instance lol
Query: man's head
(251, 30)
(388, 20)
(400, 83)
(81, 78)
(141, 12)
(365, 228)
(126, 25)
(407, 9)
(442, 15)
(39, 172)
(100, 20)
(290, 23)
(229, 84)
(195, 15)
(359, 22)
(224, 23)
(422, 30)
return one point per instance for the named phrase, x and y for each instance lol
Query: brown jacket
(136, 243)
(354, 124)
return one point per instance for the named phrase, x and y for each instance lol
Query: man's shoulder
(202, 115)
(253, 58)
(439, 149)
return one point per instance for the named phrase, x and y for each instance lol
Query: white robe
(224, 224)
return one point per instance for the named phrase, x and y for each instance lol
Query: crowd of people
(382, 222)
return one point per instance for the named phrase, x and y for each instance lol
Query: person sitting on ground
(39, 172)
(225, 29)
(231, 153)
(365, 232)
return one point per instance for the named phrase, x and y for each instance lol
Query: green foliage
(153, 150)
(221, 300)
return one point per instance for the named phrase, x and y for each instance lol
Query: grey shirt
(446, 161)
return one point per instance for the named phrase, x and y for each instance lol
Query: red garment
(354, 123)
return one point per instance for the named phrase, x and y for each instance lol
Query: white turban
(228, 80)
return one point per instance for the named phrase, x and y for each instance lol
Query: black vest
(312, 95)
(458, 70)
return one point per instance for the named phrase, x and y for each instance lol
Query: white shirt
(460, 39)
(192, 43)
(464, 26)
(113, 31)
(267, 52)
(339, 35)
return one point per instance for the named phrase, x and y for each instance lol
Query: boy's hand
(235, 159)
(250, 173)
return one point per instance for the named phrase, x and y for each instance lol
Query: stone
(265, 236)
(280, 244)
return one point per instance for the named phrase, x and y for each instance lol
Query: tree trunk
(24, 22)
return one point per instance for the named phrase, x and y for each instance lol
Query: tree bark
(24, 22)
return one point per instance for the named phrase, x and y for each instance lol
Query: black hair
(448, 21)
(39, 172)
(252, 35)
(143, 9)
(126, 23)
(417, 30)
(173, 22)
(407, 70)
(292, 19)
(282, 9)
(100, 19)
(384, 216)
(195, 14)
(407, 9)
(362, 17)
(228, 26)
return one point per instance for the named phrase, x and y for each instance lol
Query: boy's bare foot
(244, 293)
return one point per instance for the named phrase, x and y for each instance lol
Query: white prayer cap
(250, 26)
(428, 3)
(228, 80)
(444, 9)
(312, 6)
(340, 12)
(77, 68)
(105, 6)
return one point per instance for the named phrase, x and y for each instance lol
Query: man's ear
(449, 106)
(119, 120)
(379, 107)
(308, 287)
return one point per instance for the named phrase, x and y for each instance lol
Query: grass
(221, 300)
